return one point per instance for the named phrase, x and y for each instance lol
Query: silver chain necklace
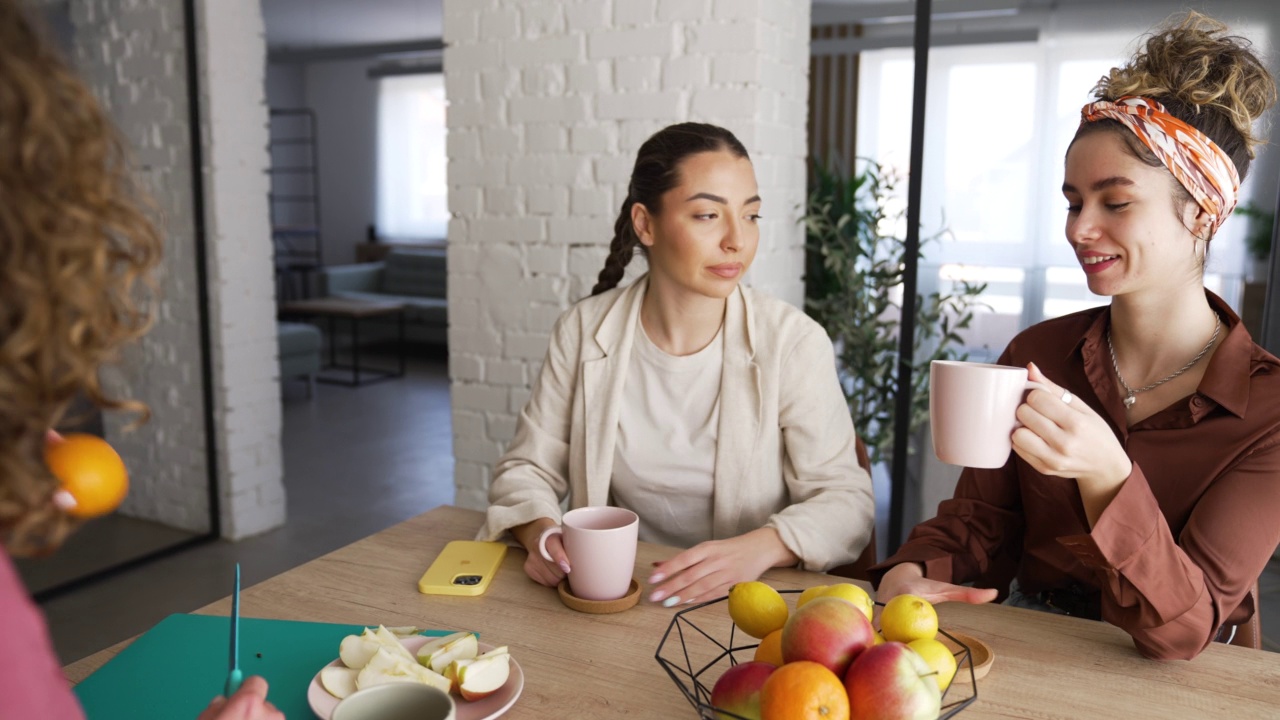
(1130, 394)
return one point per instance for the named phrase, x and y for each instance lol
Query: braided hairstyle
(656, 171)
(1204, 77)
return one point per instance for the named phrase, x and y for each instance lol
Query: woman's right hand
(908, 579)
(535, 566)
(248, 703)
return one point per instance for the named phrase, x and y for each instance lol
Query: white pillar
(133, 54)
(548, 104)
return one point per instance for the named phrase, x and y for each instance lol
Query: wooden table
(354, 311)
(596, 666)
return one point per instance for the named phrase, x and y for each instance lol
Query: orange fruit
(91, 471)
(803, 690)
(770, 649)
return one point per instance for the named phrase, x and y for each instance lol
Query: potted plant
(854, 265)
(1258, 240)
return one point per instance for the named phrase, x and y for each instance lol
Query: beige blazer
(785, 457)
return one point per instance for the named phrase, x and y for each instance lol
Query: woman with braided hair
(1143, 488)
(711, 410)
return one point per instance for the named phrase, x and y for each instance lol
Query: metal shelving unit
(295, 201)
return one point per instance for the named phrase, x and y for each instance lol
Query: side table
(355, 311)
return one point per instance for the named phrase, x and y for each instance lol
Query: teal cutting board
(174, 669)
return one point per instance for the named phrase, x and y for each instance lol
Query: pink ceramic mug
(973, 411)
(601, 544)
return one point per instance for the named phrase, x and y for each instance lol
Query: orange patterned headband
(1195, 160)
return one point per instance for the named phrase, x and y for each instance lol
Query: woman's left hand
(707, 570)
(1062, 436)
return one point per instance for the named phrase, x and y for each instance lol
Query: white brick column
(548, 104)
(133, 54)
(233, 67)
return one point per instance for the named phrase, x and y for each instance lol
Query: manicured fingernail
(657, 595)
(671, 601)
(564, 565)
(64, 500)
(656, 578)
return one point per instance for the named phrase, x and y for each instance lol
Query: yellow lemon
(854, 594)
(906, 618)
(878, 638)
(937, 656)
(770, 649)
(809, 594)
(756, 608)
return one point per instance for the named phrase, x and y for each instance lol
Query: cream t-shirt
(664, 462)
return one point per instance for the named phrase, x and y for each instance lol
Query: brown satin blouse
(1173, 557)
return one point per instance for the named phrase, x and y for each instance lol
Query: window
(995, 137)
(412, 189)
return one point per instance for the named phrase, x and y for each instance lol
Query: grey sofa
(414, 277)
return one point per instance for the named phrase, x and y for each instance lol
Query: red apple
(828, 631)
(891, 682)
(738, 689)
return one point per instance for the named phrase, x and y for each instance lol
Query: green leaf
(852, 269)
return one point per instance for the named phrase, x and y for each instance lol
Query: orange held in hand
(91, 471)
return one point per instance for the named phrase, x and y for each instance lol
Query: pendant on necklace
(1129, 400)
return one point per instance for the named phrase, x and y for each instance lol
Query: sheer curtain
(412, 186)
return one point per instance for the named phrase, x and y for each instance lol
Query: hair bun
(1192, 61)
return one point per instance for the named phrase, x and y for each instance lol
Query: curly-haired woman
(711, 410)
(1144, 489)
(75, 247)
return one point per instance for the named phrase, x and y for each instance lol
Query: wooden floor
(357, 460)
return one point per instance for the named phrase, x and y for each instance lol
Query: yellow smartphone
(464, 567)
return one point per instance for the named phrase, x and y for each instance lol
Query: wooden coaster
(981, 655)
(599, 607)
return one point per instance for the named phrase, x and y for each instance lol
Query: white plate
(322, 703)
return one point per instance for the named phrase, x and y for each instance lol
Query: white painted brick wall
(246, 369)
(564, 106)
(133, 54)
(121, 53)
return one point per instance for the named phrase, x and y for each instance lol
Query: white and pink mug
(601, 545)
(973, 411)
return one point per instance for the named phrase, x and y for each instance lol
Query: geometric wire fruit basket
(696, 650)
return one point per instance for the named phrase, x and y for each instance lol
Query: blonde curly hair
(76, 254)
(1203, 76)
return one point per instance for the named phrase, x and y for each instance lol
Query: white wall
(548, 104)
(116, 53)
(241, 293)
(286, 85)
(133, 55)
(345, 101)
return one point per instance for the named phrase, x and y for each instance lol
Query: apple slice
(435, 644)
(357, 650)
(482, 677)
(389, 641)
(451, 674)
(388, 668)
(339, 681)
(404, 631)
(501, 650)
(464, 648)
